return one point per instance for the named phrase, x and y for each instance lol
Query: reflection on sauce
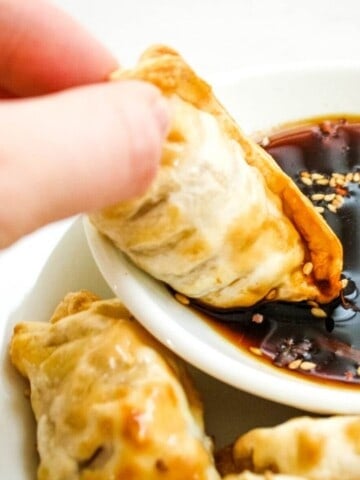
(323, 158)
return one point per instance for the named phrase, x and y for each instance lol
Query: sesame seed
(322, 181)
(257, 318)
(332, 208)
(317, 176)
(356, 177)
(255, 351)
(339, 197)
(305, 174)
(337, 202)
(271, 295)
(311, 303)
(307, 366)
(332, 182)
(306, 181)
(320, 209)
(265, 142)
(349, 177)
(308, 268)
(340, 182)
(318, 196)
(344, 282)
(182, 299)
(318, 312)
(329, 197)
(358, 371)
(295, 364)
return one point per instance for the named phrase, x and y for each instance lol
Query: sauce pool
(323, 158)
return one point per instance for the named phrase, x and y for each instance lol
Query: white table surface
(215, 36)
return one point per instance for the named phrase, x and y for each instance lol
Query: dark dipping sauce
(323, 158)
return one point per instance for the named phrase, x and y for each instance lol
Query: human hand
(67, 148)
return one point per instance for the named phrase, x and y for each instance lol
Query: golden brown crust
(110, 401)
(312, 448)
(73, 302)
(164, 67)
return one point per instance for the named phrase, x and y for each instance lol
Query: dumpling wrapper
(312, 448)
(109, 400)
(221, 223)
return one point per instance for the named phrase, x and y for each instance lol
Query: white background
(216, 37)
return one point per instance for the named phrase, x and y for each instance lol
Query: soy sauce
(323, 158)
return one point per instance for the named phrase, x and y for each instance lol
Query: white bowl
(259, 100)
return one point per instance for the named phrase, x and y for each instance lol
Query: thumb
(76, 151)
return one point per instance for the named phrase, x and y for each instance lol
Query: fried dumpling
(313, 448)
(109, 400)
(221, 223)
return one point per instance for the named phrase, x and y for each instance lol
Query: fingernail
(161, 109)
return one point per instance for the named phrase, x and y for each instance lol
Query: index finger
(42, 50)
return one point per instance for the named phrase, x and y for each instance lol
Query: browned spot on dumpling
(352, 433)
(195, 247)
(176, 136)
(161, 466)
(310, 450)
(162, 219)
(133, 427)
(72, 303)
(169, 155)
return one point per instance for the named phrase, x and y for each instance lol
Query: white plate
(70, 268)
(258, 101)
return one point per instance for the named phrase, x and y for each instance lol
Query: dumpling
(221, 223)
(109, 400)
(313, 448)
